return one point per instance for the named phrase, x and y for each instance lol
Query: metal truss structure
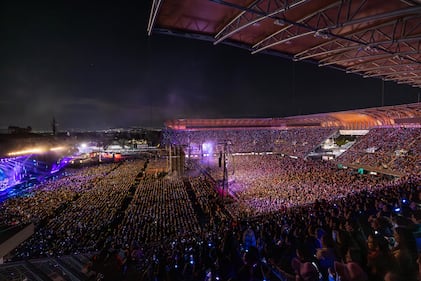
(374, 38)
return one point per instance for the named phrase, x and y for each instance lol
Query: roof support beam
(379, 67)
(371, 56)
(277, 32)
(328, 52)
(388, 49)
(156, 4)
(236, 25)
(288, 27)
(237, 17)
(408, 2)
(284, 40)
(344, 51)
(268, 45)
(397, 13)
(408, 11)
(347, 35)
(379, 56)
(375, 45)
(403, 79)
(392, 73)
(412, 83)
(413, 10)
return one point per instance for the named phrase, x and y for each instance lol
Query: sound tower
(178, 161)
(172, 158)
(176, 158)
(181, 157)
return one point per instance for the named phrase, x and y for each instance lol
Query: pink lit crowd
(297, 142)
(268, 183)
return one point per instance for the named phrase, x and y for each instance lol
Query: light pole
(225, 173)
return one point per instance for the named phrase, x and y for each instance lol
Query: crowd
(82, 224)
(396, 148)
(209, 199)
(374, 229)
(364, 235)
(293, 141)
(292, 219)
(268, 183)
(160, 210)
(393, 148)
(156, 167)
(44, 199)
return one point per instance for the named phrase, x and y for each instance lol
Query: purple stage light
(60, 164)
(12, 171)
(207, 149)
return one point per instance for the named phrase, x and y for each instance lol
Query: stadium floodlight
(35, 150)
(57, 148)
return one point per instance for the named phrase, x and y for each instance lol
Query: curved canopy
(361, 119)
(374, 38)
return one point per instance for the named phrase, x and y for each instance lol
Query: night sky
(92, 66)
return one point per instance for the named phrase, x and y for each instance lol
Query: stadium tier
(249, 203)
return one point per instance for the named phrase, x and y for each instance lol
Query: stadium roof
(374, 38)
(405, 115)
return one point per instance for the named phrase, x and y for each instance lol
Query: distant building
(18, 130)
